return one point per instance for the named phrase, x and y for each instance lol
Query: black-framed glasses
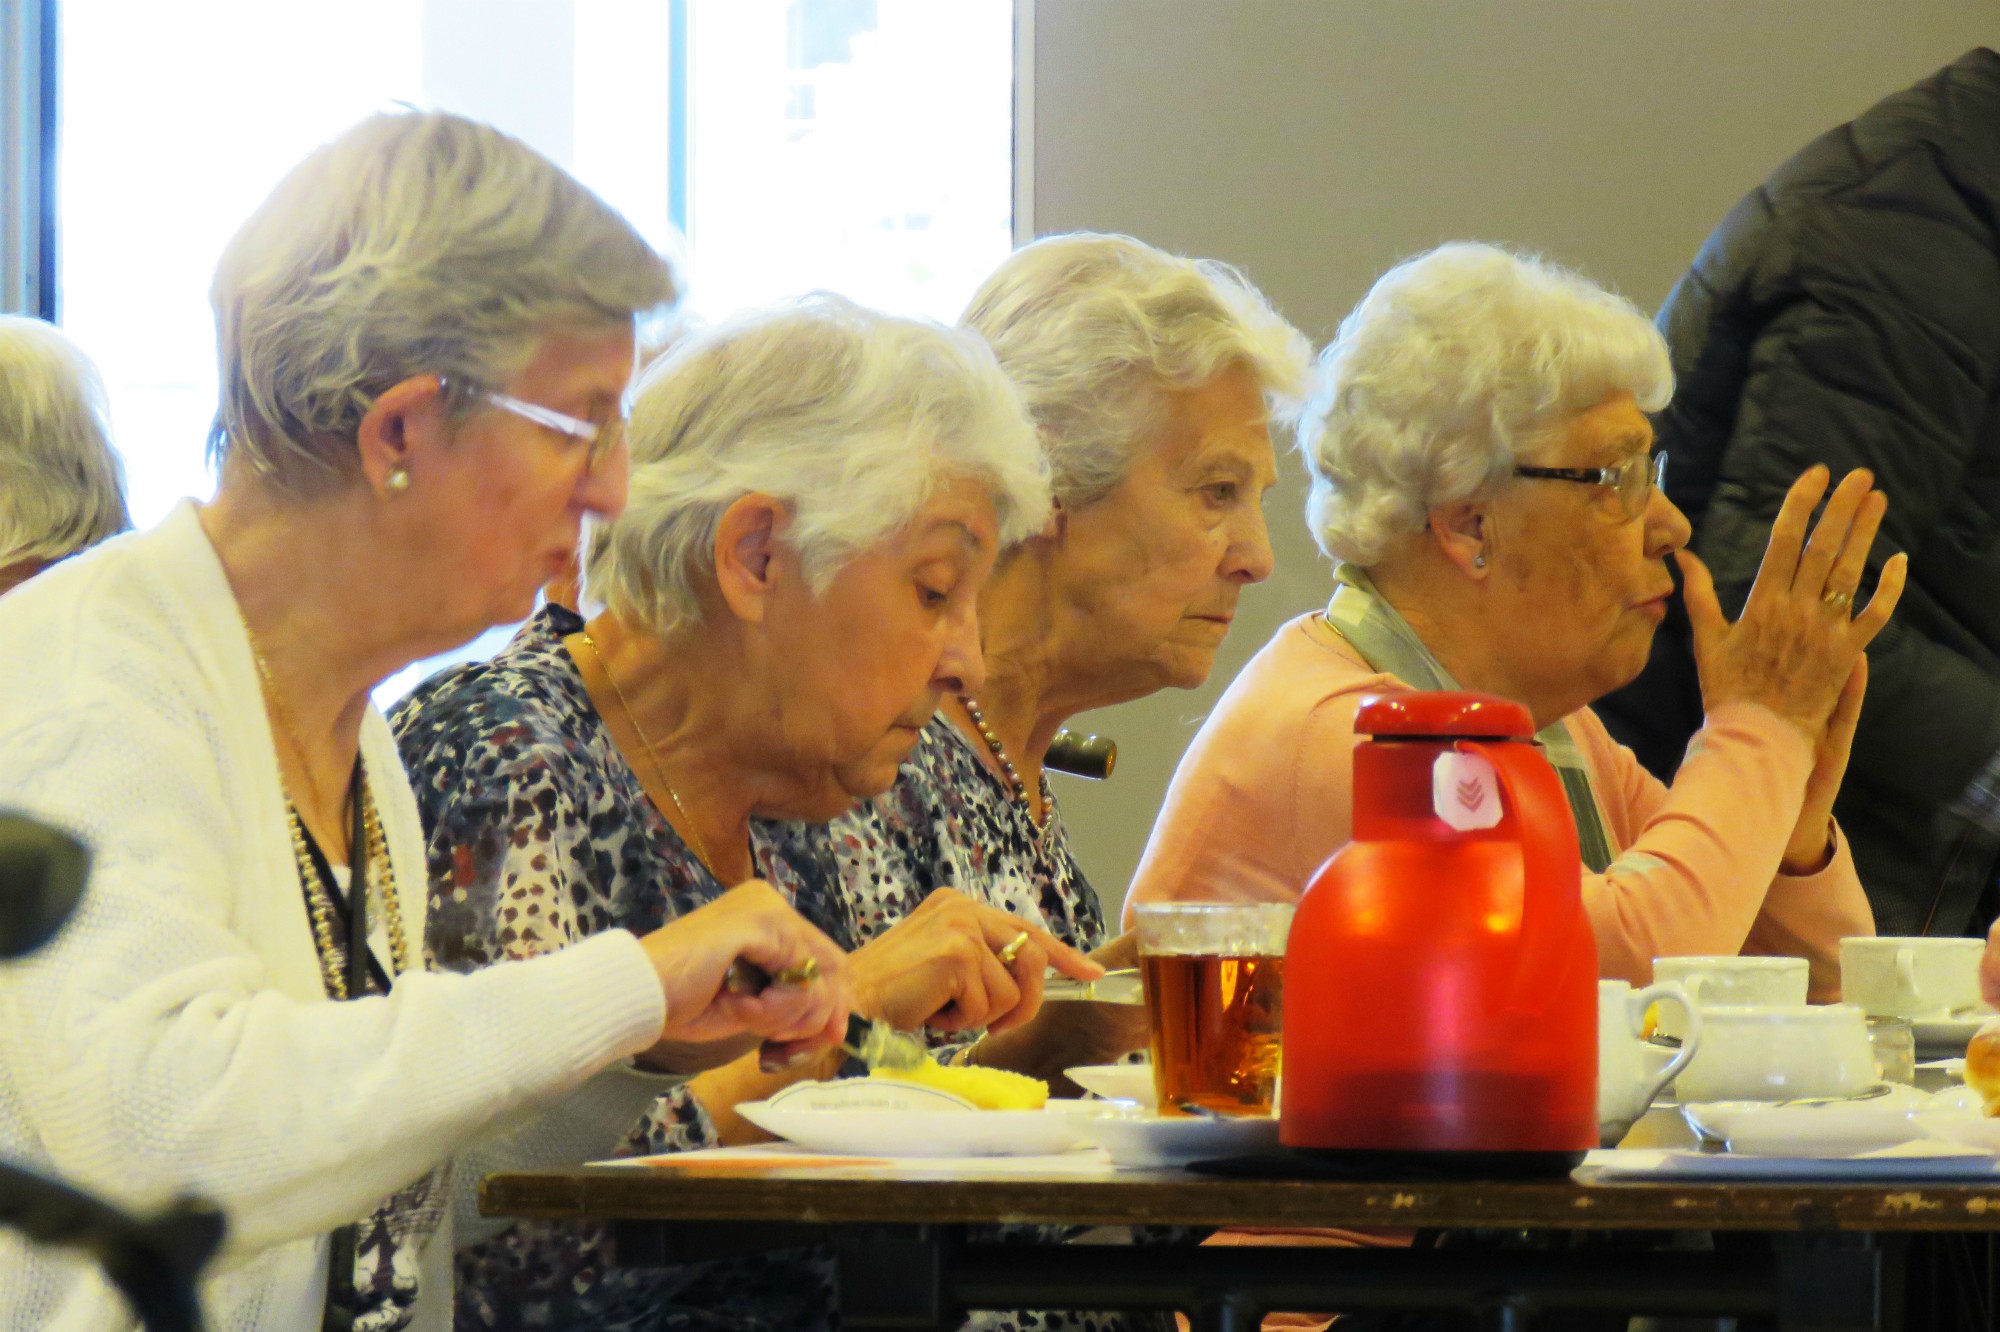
(1632, 482)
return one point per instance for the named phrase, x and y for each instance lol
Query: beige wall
(1315, 142)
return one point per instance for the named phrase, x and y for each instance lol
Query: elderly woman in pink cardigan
(1482, 476)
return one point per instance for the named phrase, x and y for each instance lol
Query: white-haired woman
(426, 334)
(1153, 381)
(61, 487)
(1483, 477)
(818, 495)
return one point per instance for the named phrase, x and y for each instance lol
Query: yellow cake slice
(987, 1088)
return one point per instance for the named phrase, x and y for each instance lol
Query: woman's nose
(1667, 528)
(962, 666)
(603, 488)
(1250, 559)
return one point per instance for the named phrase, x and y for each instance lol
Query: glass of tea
(1214, 974)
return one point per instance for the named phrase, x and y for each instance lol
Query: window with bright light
(861, 146)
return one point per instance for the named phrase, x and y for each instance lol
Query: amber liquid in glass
(1216, 1023)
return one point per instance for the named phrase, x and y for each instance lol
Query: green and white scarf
(1361, 615)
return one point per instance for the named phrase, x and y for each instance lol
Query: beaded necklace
(1016, 788)
(371, 853)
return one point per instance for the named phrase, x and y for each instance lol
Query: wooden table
(905, 1259)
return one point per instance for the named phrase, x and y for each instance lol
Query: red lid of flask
(1441, 713)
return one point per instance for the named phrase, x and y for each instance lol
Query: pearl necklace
(375, 850)
(1016, 788)
(652, 754)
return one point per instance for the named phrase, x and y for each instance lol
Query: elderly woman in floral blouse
(1153, 382)
(795, 476)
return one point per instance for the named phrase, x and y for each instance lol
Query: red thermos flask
(1441, 977)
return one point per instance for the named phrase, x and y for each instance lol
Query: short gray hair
(61, 487)
(849, 417)
(415, 243)
(1455, 366)
(1093, 329)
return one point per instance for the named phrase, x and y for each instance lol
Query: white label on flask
(1465, 791)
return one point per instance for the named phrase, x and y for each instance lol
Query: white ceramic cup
(1627, 1078)
(1778, 1052)
(1911, 977)
(1710, 981)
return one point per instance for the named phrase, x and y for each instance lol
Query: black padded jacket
(1848, 312)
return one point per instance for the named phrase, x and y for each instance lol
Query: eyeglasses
(600, 439)
(1633, 482)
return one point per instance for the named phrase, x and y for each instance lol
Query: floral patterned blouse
(950, 822)
(539, 834)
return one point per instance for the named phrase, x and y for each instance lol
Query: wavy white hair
(850, 417)
(1093, 328)
(415, 243)
(61, 487)
(1455, 366)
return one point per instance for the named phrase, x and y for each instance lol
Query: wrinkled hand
(1065, 1035)
(940, 966)
(1791, 650)
(751, 921)
(1812, 836)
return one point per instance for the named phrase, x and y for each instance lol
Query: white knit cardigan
(175, 1038)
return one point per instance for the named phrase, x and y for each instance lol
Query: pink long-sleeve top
(1265, 794)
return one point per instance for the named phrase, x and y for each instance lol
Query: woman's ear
(746, 554)
(1463, 532)
(401, 428)
(1057, 527)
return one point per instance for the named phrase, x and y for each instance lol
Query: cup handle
(1906, 975)
(1668, 992)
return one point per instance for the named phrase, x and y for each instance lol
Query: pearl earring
(397, 481)
(1478, 561)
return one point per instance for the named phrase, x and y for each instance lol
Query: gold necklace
(1017, 788)
(374, 851)
(652, 754)
(321, 911)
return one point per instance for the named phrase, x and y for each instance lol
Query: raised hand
(1795, 646)
(956, 965)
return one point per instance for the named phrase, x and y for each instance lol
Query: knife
(1120, 986)
(871, 1040)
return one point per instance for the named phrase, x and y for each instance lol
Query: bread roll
(1982, 1065)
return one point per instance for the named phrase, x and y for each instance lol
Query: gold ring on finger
(1837, 599)
(1013, 948)
(805, 973)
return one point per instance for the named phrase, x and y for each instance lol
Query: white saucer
(1947, 1034)
(1117, 1082)
(1136, 1140)
(1921, 1160)
(1835, 1128)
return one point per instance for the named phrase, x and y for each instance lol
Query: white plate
(1136, 1140)
(1947, 1035)
(1957, 1116)
(1911, 1160)
(944, 1131)
(1116, 1082)
(1836, 1128)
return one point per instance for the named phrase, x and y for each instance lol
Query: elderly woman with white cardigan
(426, 336)
(61, 487)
